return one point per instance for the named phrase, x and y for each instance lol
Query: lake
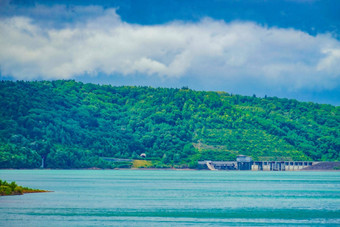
(172, 198)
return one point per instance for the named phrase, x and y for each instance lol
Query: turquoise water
(172, 198)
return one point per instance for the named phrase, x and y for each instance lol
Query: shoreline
(186, 169)
(8, 189)
(43, 191)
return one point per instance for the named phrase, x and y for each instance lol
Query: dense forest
(68, 124)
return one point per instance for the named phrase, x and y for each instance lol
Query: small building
(142, 155)
(244, 162)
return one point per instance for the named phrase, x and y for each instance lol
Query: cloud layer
(208, 50)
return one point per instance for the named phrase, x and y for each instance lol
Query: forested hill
(71, 125)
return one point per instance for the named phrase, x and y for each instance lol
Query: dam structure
(246, 163)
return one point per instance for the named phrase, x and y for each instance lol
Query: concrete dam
(245, 163)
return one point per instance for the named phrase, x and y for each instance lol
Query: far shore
(186, 169)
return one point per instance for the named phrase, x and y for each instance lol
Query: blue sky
(284, 48)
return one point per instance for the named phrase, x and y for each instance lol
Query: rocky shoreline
(324, 166)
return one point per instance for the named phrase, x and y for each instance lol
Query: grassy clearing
(141, 164)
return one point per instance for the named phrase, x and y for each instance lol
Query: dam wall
(257, 165)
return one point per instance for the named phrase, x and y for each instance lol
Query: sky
(283, 48)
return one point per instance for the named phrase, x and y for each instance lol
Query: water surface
(172, 198)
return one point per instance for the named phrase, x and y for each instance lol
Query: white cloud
(331, 62)
(210, 50)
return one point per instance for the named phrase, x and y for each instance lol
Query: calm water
(172, 198)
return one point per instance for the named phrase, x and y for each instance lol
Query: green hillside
(71, 125)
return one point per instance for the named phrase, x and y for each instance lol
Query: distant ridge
(68, 124)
